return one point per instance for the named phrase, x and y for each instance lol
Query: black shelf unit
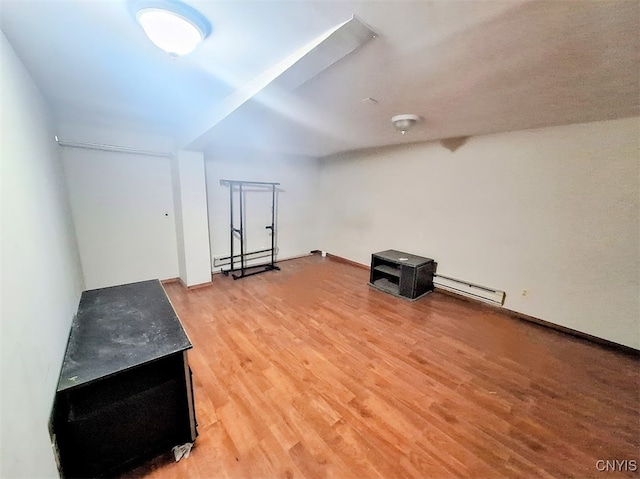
(402, 274)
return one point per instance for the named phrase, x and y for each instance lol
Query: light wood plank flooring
(309, 373)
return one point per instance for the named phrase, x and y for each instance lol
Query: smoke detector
(403, 122)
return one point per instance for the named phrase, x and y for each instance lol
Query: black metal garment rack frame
(249, 270)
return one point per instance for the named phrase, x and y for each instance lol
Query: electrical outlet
(525, 293)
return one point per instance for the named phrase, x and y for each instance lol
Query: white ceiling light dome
(405, 121)
(172, 26)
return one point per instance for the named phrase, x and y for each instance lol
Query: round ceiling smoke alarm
(403, 122)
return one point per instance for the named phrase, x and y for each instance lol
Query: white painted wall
(177, 212)
(122, 207)
(40, 280)
(555, 211)
(192, 228)
(296, 201)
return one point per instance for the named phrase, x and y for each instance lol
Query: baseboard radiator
(464, 288)
(219, 261)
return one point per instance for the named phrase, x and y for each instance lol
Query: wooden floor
(309, 373)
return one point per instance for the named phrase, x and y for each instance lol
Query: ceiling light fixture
(404, 122)
(171, 25)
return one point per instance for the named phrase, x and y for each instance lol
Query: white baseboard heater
(475, 291)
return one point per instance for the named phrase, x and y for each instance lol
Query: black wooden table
(125, 391)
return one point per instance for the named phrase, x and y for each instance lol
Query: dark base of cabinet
(107, 426)
(388, 287)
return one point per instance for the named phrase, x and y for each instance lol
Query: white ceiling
(466, 68)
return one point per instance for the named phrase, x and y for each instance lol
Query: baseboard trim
(194, 286)
(340, 259)
(289, 258)
(179, 281)
(628, 350)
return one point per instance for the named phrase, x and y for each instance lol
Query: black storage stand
(125, 390)
(237, 185)
(401, 274)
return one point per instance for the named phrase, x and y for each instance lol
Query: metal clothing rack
(236, 185)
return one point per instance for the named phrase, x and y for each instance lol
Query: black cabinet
(402, 274)
(125, 391)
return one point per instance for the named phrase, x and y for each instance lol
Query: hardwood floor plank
(309, 373)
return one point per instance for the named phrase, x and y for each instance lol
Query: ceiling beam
(288, 74)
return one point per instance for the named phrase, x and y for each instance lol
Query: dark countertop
(412, 260)
(118, 328)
